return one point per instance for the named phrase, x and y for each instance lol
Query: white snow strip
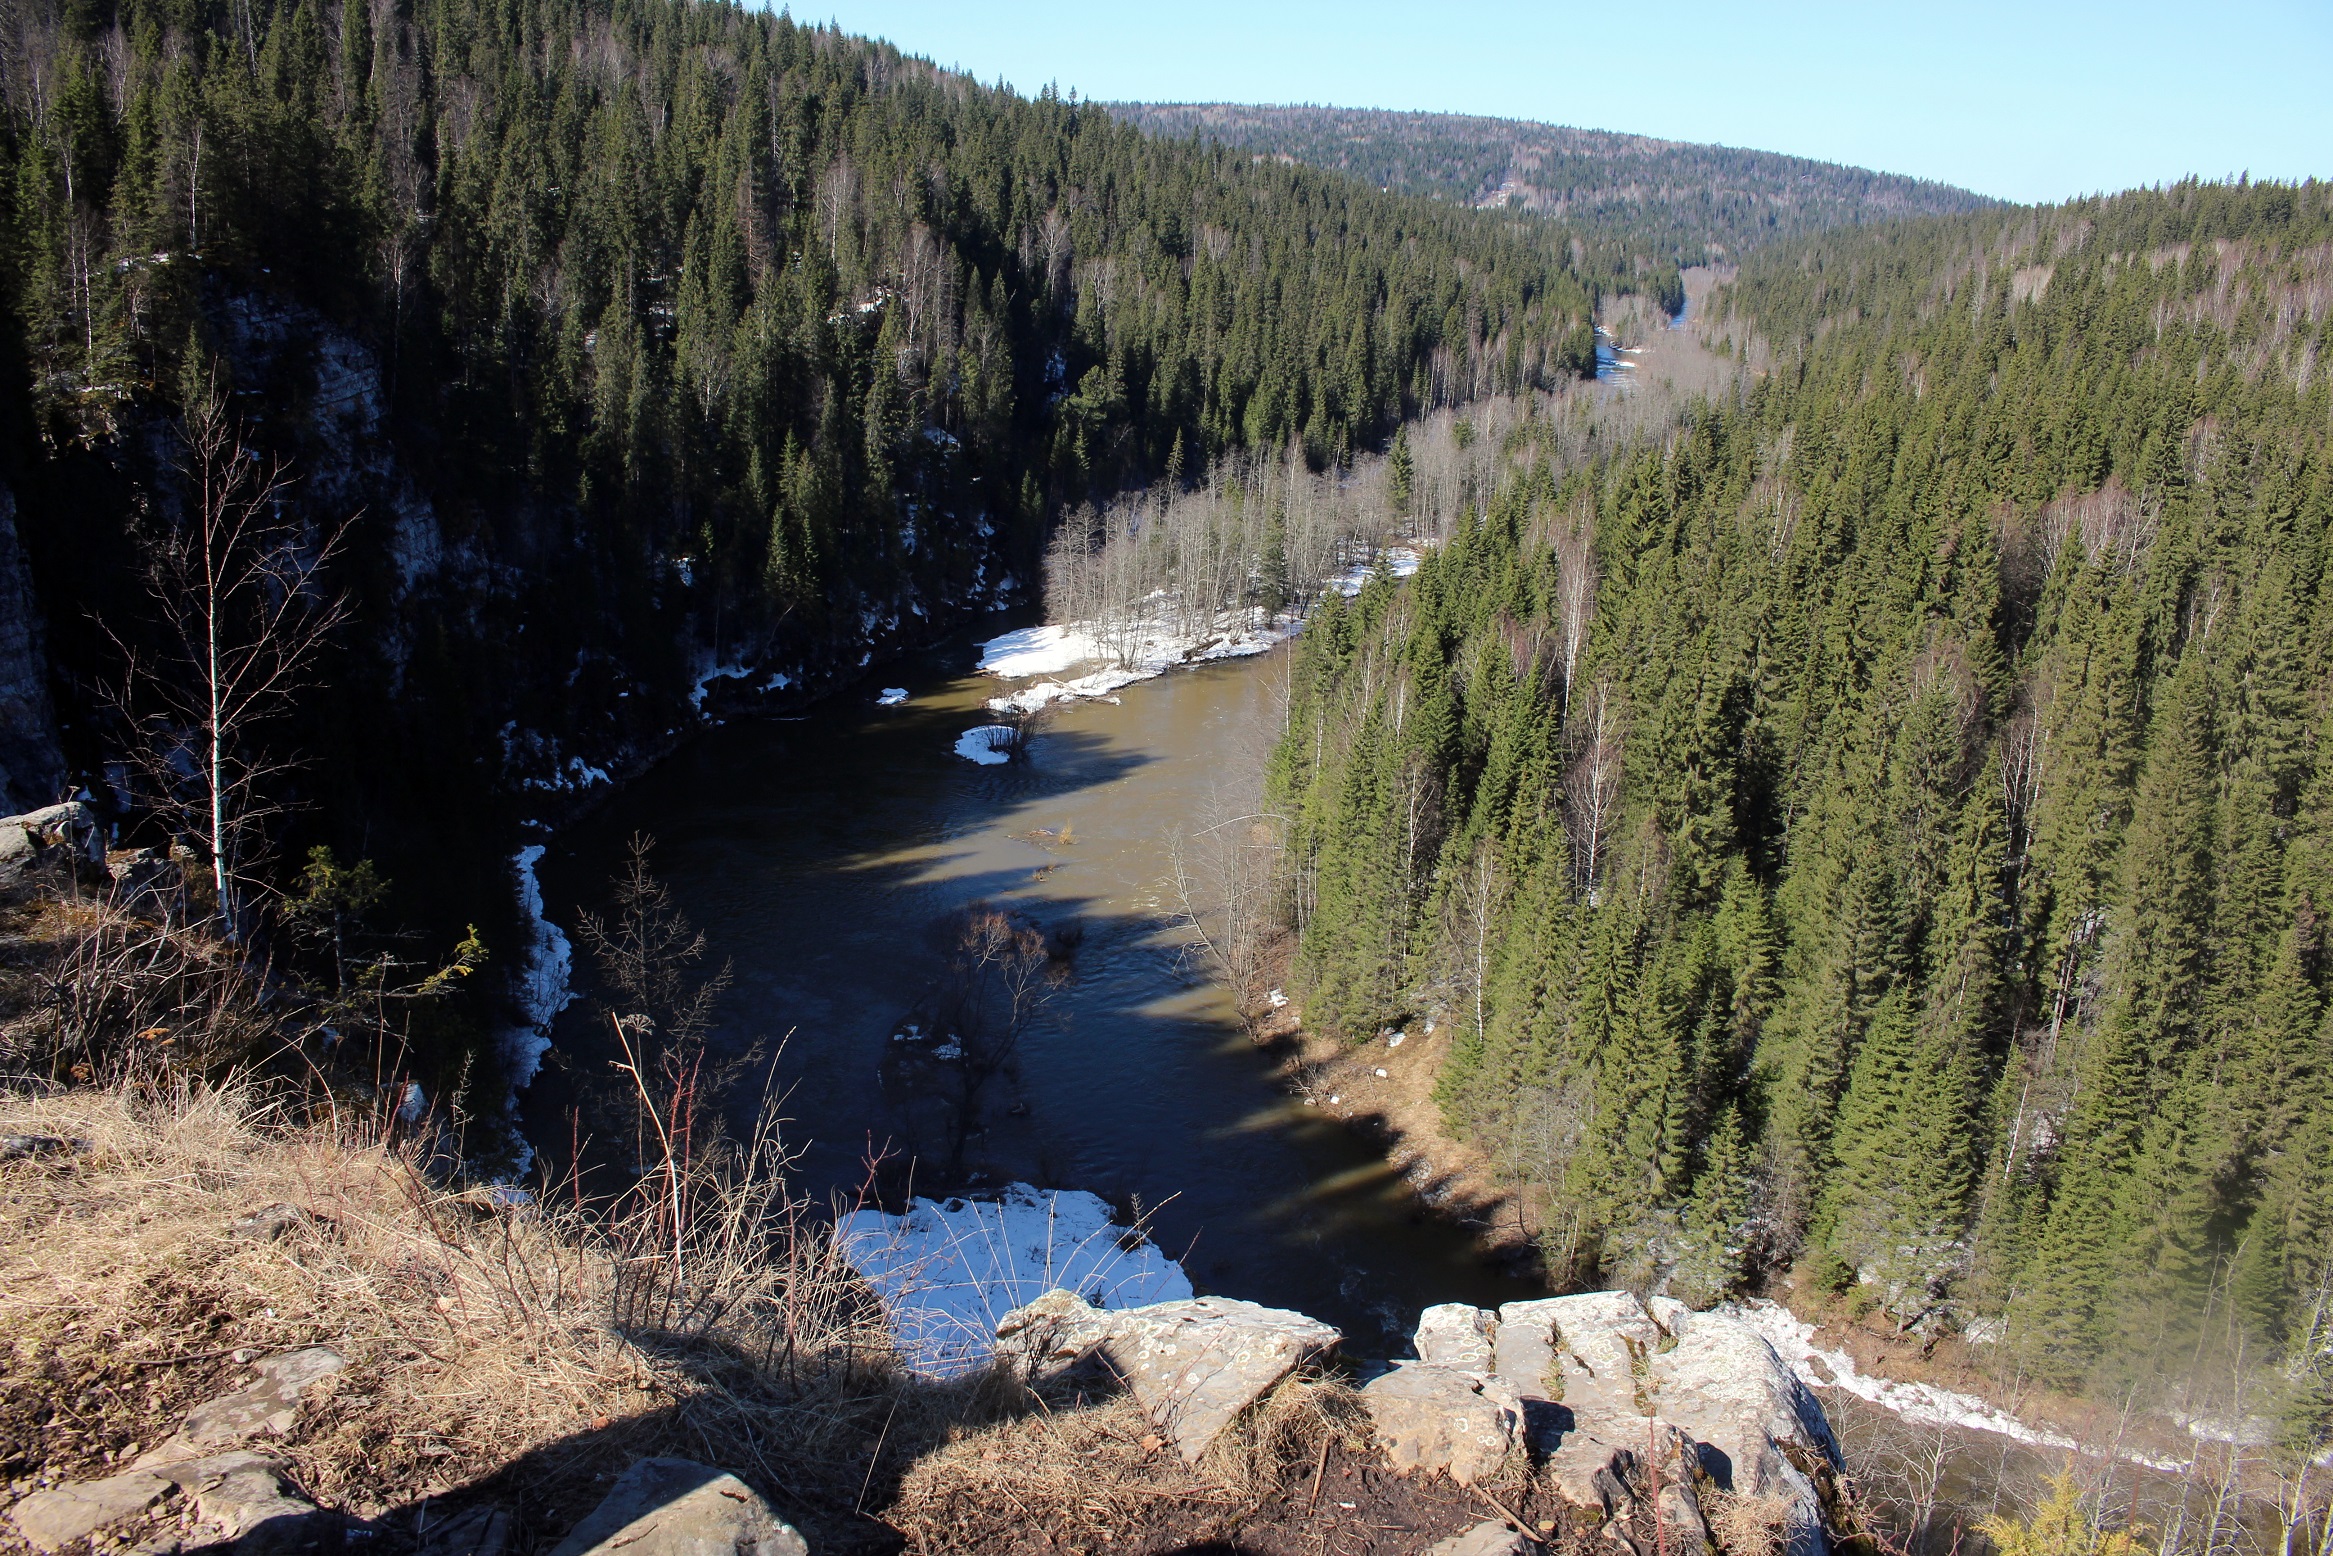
(1035, 651)
(541, 980)
(1139, 654)
(1116, 655)
(892, 696)
(712, 673)
(1923, 1404)
(948, 1271)
(980, 745)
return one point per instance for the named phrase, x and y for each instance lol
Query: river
(822, 856)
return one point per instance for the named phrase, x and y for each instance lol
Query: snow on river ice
(948, 1270)
(989, 744)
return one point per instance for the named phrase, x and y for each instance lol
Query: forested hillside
(635, 345)
(1889, 826)
(1637, 206)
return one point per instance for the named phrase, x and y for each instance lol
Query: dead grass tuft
(1288, 1435)
(1747, 1525)
(1064, 1467)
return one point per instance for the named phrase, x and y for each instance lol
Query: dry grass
(520, 1353)
(483, 1339)
(1075, 1473)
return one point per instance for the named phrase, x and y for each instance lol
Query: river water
(824, 856)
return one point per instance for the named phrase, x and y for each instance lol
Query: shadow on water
(823, 856)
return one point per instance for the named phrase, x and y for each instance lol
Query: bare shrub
(125, 991)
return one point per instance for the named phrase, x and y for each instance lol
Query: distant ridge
(1659, 200)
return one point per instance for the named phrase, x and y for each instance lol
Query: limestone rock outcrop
(67, 833)
(1629, 1412)
(1195, 1366)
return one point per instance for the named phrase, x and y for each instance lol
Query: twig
(180, 1361)
(1510, 1515)
(1318, 1470)
(876, 1457)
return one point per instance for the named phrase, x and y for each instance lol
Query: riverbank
(1383, 1092)
(1989, 1434)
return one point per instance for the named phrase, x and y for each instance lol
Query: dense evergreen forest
(1887, 826)
(1638, 207)
(635, 344)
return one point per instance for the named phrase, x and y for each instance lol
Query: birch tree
(242, 610)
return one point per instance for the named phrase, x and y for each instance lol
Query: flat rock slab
(52, 1520)
(1439, 1419)
(1194, 1365)
(248, 1498)
(233, 1493)
(675, 1507)
(1486, 1540)
(269, 1406)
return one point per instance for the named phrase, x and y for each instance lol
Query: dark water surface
(823, 856)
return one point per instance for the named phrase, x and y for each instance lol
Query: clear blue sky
(2034, 101)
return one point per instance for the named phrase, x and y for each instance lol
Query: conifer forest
(1886, 823)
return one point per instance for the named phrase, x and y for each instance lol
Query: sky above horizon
(2037, 101)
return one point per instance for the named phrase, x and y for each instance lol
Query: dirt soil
(1385, 1093)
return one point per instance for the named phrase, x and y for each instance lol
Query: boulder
(1493, 1539)
(70, 831)
(1599, 1337)
(1439, 1419)
(1194, 1366)
(674, 1507)
(1457, 1336)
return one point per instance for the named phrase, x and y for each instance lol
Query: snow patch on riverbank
(708, 673)
(1922, 1404)
(539, 986)
(1156, 641)
(947, 1271)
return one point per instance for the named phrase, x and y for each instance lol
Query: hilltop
(1630, 197)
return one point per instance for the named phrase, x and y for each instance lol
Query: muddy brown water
(823, 857)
